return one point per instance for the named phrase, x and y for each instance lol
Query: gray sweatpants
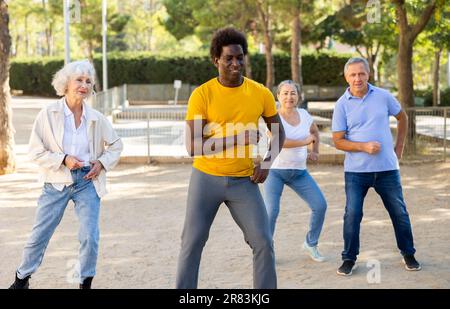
(243, 199)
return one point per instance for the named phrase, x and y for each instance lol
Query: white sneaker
(313, 252)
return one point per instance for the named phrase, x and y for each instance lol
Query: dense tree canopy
(178, 27)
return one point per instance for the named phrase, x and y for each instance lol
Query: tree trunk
(379, 75)
(376, 69)
(264, 16)
(47, 29)
(49, 36)
(16, 45)
(90, 52)
(47, 41)
(407, 34)
(248, 66)
(436, 90)
(406, 89)
(150, 25)
(7, 161)
(371, 58)
(376, 63)
(27, 38)
(296, 60)
(270, 72)
(90, 49)
(149, 38)
(371, 68)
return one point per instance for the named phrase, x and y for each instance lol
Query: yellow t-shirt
(228, 111)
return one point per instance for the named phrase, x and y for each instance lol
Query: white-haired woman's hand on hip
(96, 167)
(73, 163)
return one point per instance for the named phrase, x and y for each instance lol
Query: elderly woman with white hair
(74, 146)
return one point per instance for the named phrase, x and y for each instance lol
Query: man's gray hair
(72, 70)
(357, 60)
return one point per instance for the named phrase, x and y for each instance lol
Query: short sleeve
(306, 117)
(339, 122)
(394, 106)
(196, 106)
(270, 108)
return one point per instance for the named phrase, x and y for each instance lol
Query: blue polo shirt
(367, 119)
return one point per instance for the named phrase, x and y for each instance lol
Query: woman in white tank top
(289, 168)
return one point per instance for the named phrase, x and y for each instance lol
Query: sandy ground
(142, 220)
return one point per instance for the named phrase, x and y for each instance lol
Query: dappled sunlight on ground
(142, 219)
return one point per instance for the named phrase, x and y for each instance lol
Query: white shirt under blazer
(46, 146)
(75, 140)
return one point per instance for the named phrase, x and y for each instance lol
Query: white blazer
(46, 145)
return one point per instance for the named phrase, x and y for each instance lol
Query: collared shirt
(45, 147)
(367, 119)
(75, 140)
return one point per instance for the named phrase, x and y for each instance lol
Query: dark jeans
(387, 185)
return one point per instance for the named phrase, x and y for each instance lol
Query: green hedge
(427, 95)
(33, 76)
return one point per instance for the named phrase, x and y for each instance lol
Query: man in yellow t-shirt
(222, 126)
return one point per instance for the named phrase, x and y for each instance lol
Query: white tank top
(294, 158)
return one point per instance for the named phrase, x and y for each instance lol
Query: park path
(142, 220)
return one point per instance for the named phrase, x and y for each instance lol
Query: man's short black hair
(224, 37)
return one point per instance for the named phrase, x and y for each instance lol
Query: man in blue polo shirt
(361, 128)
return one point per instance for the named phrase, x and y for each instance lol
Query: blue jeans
(388, 186)
(304, 185)
(51, 206)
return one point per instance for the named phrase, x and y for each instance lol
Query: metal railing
(158, 130)
(151, 94)
(428, 134)
(111, 100)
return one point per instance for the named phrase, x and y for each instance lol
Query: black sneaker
(86, 285)
(346, 268)
(20, 284)
(411, 263)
